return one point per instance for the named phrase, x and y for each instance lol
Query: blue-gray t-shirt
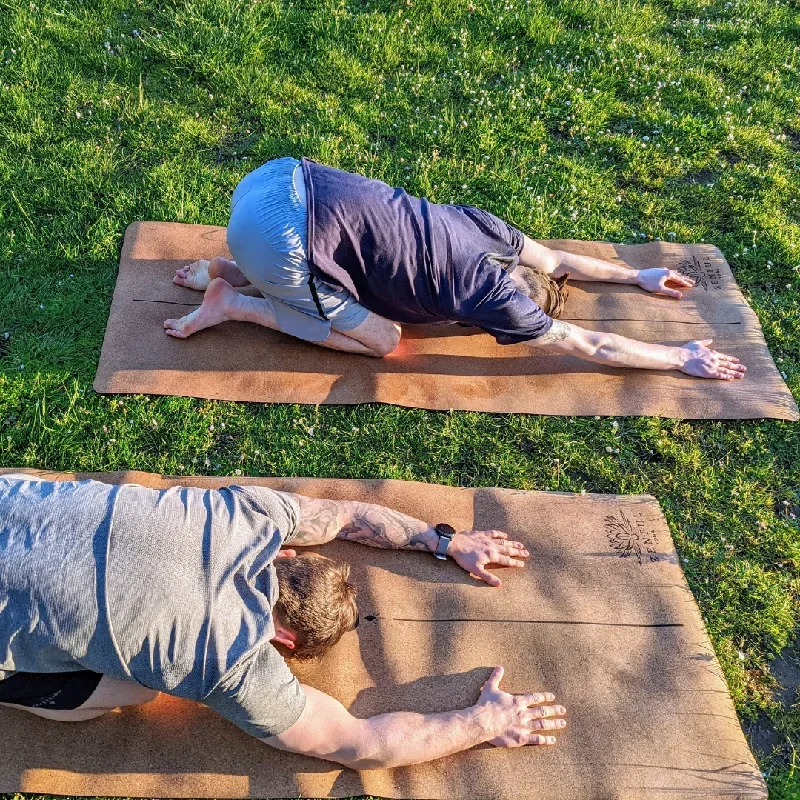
(411, 260)
(171, 588)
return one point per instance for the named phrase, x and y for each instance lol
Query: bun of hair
(548, 293)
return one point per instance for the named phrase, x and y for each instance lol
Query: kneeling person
(342, 260)
(112, 594)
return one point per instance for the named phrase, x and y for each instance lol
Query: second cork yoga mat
(601, 616)
(442, 367)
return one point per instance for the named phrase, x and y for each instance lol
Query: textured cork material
(442, 367)
(602, 616)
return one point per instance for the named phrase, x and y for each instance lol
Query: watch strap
(446, 534)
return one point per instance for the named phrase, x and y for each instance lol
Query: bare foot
(219, 299)
(200, 274)
(195, 276)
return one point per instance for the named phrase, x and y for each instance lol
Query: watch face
(443, 529)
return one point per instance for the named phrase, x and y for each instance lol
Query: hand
(701, 362)
(510, 719)
(475, 550)
(662, 281)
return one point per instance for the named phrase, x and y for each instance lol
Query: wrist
(679, 357)
(636, 278)
(429, 538)
(484, 721)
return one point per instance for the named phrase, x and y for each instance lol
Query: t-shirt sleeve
(493, 303)
(259, 695)
(281, 508)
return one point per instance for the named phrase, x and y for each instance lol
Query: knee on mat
(387, 343)
(147, 696)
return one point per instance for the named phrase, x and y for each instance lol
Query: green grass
(596, 119)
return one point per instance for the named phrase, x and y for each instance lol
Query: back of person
(168, 588)
(414, 261)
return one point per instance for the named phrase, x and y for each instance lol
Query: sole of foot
(216, 302)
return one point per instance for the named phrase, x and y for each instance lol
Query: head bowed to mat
(442, 367)
(602, 616)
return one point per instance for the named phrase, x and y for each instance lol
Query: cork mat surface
(442, 367)
(602, 616)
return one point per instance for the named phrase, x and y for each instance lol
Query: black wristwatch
(446, 533)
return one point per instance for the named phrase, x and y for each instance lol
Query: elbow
(556, 259)
(372, 751)
(603, 352)
(361, 763)
(597, 347)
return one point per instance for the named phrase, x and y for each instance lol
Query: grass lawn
(596, 119)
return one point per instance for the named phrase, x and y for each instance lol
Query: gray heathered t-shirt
(171, 588)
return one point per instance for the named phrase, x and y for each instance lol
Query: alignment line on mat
(376, 618)
(164, 302)
(658, 321)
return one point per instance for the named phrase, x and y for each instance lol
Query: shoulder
(260, 695)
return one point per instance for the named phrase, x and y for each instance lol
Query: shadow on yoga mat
(441, 367)
(602, 616)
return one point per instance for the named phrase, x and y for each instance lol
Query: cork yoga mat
(441, 367)
(602, 616)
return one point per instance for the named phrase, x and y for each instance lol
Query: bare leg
(200, 274)
(375, 336)
(109, 694)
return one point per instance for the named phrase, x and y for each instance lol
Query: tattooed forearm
(319, 521)
(382, 527)
(557, 333)
(323, 520)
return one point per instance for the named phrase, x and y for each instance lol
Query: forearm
(609, 348)
(327, 730)
(403, 738)
(586, 268)
(580, 268)
(374, 525)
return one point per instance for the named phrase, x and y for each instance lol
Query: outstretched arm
(327, 730)
(585, 268)
(378, 526)
(694, 358)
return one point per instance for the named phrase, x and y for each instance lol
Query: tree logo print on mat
(631, 538)
(703, 271)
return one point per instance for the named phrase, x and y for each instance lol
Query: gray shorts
(267, 238)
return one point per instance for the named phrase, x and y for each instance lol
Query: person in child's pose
(112, 594)
(343, 261)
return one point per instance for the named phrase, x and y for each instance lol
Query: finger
(726, 357)
(683, 280)
(288, 553)
(515, 550)
(670, 292)
(730, 375)
(736, 367)
(536, 698)
(539, 740)
(498, 535)
(506, 561)
(543, 712)
(484, 575)
(705, 342)
(547, 724)
(493, 682)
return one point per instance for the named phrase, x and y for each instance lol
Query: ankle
(216, 268)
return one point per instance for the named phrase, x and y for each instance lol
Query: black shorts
(55, 691)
